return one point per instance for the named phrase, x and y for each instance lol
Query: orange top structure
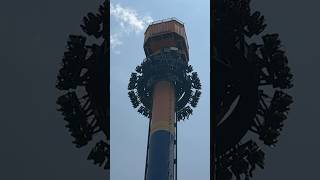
(168, 33)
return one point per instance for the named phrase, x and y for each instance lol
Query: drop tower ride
(165, 89)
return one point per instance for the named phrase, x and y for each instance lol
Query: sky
(129, 129)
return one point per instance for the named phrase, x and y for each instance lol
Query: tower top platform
(167, 33)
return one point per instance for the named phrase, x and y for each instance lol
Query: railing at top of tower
(166, 20)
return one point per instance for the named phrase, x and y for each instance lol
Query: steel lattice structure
(83, 81)
(251, 81)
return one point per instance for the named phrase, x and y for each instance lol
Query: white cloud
(115, 40)
(129, 21)
(129, 18)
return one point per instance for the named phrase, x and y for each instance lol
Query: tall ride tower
(164, 88)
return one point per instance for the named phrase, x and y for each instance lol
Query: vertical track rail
(176, 146)
(146, 167)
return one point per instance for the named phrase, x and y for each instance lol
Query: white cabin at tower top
(168, 33)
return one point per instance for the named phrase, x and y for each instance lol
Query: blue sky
(129, 129)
